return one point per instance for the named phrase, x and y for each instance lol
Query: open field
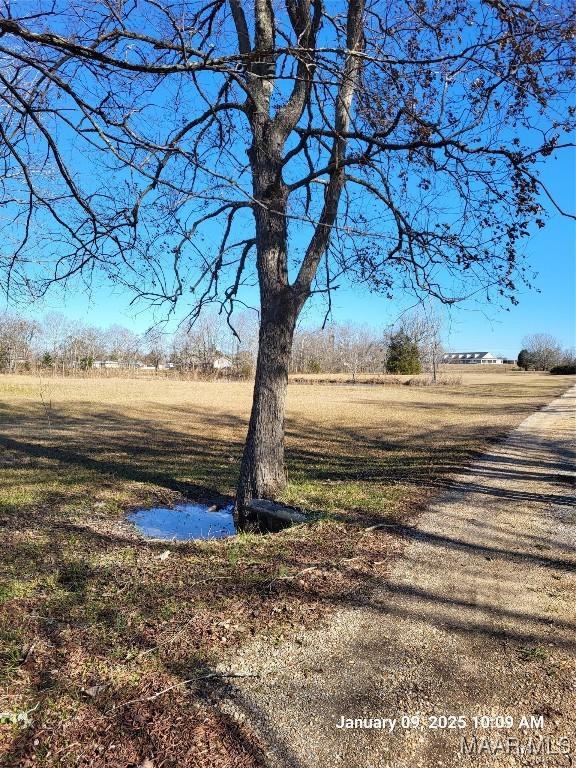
(445, 373)
(95, 623)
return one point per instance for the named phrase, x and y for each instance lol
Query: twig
(179, 685)
(28, 653)
(47, 406)
(289, 576)
(379, 526)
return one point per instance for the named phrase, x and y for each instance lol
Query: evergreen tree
(403, 354)
(524, 359)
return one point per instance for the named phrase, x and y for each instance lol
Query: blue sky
(550, 307)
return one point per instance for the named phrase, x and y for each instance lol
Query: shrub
(563, 370)
(449, 381)
(314, 367)
(244, 370)
(428, 381)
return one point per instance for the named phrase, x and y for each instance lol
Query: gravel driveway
(476, 620)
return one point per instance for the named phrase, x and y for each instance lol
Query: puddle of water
(183, 522)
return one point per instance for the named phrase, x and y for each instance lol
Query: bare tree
(154, 342)
(55, 328)
(392, 143)
(246, 325)
(543, 350)
(356, 348)
(122, 345)
(16, 337)
(424, 327)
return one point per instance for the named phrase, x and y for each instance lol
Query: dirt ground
(477, 620)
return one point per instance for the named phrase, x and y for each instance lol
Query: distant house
(105, 364)
(471, 358)
(221, 363)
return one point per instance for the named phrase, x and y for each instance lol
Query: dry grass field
(107, 643)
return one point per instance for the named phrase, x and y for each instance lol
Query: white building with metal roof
(471, 358)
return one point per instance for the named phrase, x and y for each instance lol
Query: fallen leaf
(94, 690)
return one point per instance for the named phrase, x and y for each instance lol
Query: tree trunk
(262, 472)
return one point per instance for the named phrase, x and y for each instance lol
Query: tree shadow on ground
(96, 610)
(146, 450)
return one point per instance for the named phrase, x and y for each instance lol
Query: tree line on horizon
(57, 344)
(413, 346)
